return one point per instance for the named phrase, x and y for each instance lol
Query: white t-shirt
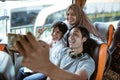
(55, 51)
(84, 62)
(54, 54)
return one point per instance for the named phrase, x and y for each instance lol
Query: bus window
(103, 10)
(57, 16)
(57, 13)
(24, 18)
(22, 14)
(3, 22)
(60, 16)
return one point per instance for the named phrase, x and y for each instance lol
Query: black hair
(84, 32)
(61, 25)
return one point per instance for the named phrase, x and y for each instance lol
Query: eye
(59, 32)
(75, 34)
(72, 14)
(67, 14)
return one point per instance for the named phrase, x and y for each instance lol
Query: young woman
(58, 30)
(76, 16)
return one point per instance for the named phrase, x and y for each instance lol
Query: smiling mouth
(70, 21)
(71, 43)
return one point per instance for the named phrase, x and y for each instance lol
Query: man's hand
(35, 54)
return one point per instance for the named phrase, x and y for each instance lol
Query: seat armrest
(102, 61)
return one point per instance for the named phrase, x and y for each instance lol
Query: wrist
(48, 70)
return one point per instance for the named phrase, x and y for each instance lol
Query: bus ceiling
(81, 3)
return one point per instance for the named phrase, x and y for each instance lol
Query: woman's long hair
(82, 19)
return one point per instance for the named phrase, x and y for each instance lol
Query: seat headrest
(106, 31)
(118, 25)
(92, 48)
(116, 38)
(117, 33)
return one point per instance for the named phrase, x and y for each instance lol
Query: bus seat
(115, 50)
(3, 46)
(105, 31)
(7, 71)
(98, 51)
(116, 38)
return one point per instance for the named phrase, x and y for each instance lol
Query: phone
(12, 38)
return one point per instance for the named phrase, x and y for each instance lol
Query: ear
(84, 39)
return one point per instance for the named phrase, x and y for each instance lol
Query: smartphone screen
(12, 38)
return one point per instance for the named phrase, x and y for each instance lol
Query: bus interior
(20, 17)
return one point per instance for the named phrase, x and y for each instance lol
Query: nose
(54, 33)
(68, 17)
(70, 37)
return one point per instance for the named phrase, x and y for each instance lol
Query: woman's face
(71, 17)
(75, 39)
(56, 34)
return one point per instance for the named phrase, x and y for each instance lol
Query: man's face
(75, 39)
(56, 34)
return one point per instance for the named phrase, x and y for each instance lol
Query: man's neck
(77, 50)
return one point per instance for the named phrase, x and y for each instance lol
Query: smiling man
(74, 64)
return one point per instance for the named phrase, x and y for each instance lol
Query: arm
(40, 32)
(34, 58)
(56, 73)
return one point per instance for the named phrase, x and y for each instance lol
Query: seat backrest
(3, 47)
(98, 51)
(116, 38)
(115, 50)
(7, 71)
(106, 31)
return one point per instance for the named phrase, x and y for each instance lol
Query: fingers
(20, 48)
(33, 51)
(40, 31)
(32, 40)
(43, 27)
(26, 44)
